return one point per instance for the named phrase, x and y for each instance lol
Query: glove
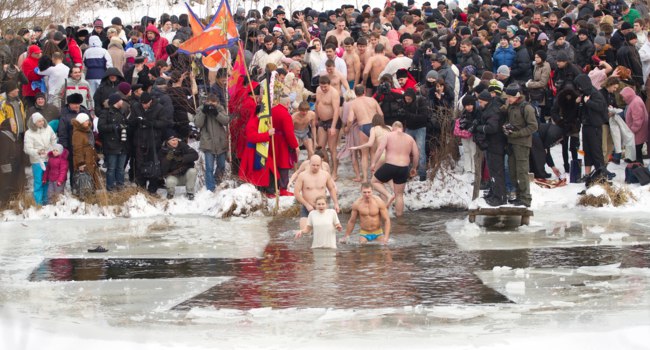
(146, 123)
(170, 156)
(528, 83)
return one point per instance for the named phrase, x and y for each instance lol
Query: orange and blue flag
(221, 32)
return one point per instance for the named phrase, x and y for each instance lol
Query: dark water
(422, 265)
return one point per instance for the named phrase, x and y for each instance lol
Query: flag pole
(275, 166)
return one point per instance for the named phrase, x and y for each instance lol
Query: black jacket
(584, 50)
(594, 111)
(106, 88)
(472, 58)
(628, 56)
(522, 69)
(489, 130)
(176, 161)
(566, 75)
(150, 126)
(143, 77)
(110, 125)
(565, 110)
(417, 113)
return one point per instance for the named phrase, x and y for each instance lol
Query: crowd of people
(368, 83)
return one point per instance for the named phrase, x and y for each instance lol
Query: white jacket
(39, 139)
(644, 53)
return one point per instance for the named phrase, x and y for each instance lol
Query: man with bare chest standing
(371, 211)
(363, 109)
(310, 185)
(400, 149)
(329, 123)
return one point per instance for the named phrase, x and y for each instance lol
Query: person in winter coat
(98, 31)
(240, 116)
(489, 136)
(547, 135)
(97, 61)
(593, 112)
(470, 114)
(47, 110)
(158, 44)
(539, 83)
(564, 113)
(636, 117)
(584, 49)
(39, 140)
(469, 56)
(12, 171)
(150, 120)
(112, 126)
(565, 71)
(75, 84)
(212, 119)
(177, 166)
(29, 64)
(519, 129)
(417, 110)
(138, 73)
(111, 79)
(251, 170)
(56, 171)
(116, 51)
(504, 55)
(557, 48)
(83, 147)
(628, 56)
(183, 102)
(284, 144)
(521, 69)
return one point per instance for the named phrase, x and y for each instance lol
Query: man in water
(400, 149)
(310, 185)
(370, 210)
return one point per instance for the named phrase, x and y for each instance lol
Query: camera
(464, 124)
(383, 88)
(123, 133)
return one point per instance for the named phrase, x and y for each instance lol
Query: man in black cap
(489, 137)
(112, 126)
(584, 48)
(557, 47)
(112, 78)
(618, 38)
(150, 120)
(138, 73)
(521, 124)
(440, 64)
(565, 72)
(177, 166)
(592, 107)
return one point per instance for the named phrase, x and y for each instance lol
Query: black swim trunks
(327, 124)
(303, 211)
(387, 172)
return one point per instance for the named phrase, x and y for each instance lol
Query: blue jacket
(503, 57)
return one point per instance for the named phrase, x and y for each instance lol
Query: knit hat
(600, 40)
(512, 29)
(626, 25)
(558, 34)
(542, 36)
(58, 36)
(469, 100)
(484, 96)
(39, 94)
(170, 135)
(10, 85)
(562, 57)
(541, 54)
(513, 90)
(36, 117)
(432, 75)
(410, 93)
(130, 52)
(495, 86)
(583, 31)
(113, 99)
(75, 99)
(98, 23)
(116, 21)
(82, 118)
(503, 24)
(124, 87)
(469, 70)
(568, 21)
(58, 147)
(504, 70)
(160, 81)
(465, 31)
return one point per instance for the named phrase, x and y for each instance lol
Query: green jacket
(525, 123)
(631, 16)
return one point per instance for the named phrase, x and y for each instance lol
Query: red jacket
(158, 45)
(75, 54)
(247, 171)
(57, 167)
(29, 64)
(238, 125)
(284, 138)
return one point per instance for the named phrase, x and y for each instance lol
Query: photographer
(390, 100)
(177, 166)
(112, 128)
(213, 120)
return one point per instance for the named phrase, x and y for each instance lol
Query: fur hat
(75, 99)
(82, 118)
(36, 117)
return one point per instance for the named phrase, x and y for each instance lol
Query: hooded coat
(594, 111)
(636, 115)
(565, 111)
(96, 59)
(10, 163)
(83, 149)
(37, 139)
(28, 66)
(116, 51)
(106, 88)
(57, 167)
(158, 44)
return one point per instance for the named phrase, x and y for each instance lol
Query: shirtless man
(374, 66)
(328, 110)
(399, 146)
(304, 127)
(312, 184)
(363, 109)
(337, 80)
(370, 210)
(364, 54)
(352, 61)
(304, 166)
(339, 31)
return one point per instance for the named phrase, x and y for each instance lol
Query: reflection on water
(422, 265)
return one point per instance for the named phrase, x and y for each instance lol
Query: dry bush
(23, 201)
(118, 198)
(444, 149)
(616, 196)
(291, 212)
